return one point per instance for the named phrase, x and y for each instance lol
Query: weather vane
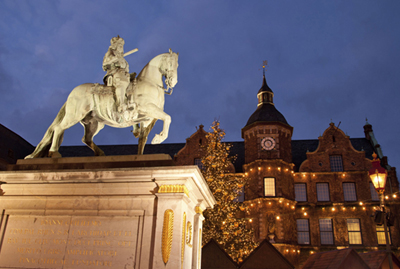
(265, 63)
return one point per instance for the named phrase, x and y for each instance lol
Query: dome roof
(266, 111)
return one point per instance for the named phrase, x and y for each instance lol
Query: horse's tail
(43, 147)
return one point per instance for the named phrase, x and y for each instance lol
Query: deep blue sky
(327, 60)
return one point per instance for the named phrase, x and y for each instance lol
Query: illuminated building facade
(307, 196)
(304, 196)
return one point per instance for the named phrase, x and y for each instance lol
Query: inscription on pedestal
(70, 242)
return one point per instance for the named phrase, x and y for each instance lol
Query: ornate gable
(335, 153)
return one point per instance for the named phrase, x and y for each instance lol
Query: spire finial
(265, 63)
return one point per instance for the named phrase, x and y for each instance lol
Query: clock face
(268, 143)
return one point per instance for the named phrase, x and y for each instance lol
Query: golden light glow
(246, 174)
(280, 201)
(343, 208)
(386, 197)
(298, 251)
(292, 206)
(313, 175)
(333, 209)
(279, 168)
(302, 208)
(311, 252)
(251, 169)
(286, 169)
(269, 203)
(287, 250)
(294, 250)
(287, 203)
(292, 172)
(277, 217)
(259, 168)
(250, 220)
(343, 175)
(363, 208)
(304, 175)
(361, 203)
(269, 168)
(305, 213)
(354, 207)
(394, 195)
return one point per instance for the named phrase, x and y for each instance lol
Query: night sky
(327, 61)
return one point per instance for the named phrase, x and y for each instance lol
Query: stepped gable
(301, 147)
(334, 142)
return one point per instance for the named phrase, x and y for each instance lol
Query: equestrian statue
(123, 100)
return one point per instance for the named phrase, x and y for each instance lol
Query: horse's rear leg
(92, 127)
(58, 136)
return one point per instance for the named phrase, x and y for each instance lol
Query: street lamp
(378, 176)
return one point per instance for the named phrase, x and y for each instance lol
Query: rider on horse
(117, 71)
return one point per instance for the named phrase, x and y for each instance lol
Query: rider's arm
(111, 60)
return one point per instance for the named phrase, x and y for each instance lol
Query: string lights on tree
(225, 223)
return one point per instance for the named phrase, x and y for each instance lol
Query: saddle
(108, 79)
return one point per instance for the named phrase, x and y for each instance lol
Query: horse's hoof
(54, 154)
(136, 133)
(157, 139)
(100, 153)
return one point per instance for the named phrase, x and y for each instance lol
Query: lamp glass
(379, 180)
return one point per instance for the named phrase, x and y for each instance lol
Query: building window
(354, 229)
(326, 231)
(380, 233)
(198, 163)
(269, 186)
(349, 192)
(374, 193)
(300, 192)
(323, 192)
(336, 163)
(303, 231)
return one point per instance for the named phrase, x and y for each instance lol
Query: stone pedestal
(102, 212)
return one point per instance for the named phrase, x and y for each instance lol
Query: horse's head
(169, 68)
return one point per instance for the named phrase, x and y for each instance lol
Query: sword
(130, 52)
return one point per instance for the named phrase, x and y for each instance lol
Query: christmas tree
(225, 223)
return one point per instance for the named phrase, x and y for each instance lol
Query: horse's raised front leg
(155, 112)
(144, 131)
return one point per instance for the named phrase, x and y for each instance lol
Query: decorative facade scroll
(173, 189)
(167, 233)
(183, 238)
(189, 234)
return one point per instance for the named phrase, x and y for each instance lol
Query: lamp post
(378, 176)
